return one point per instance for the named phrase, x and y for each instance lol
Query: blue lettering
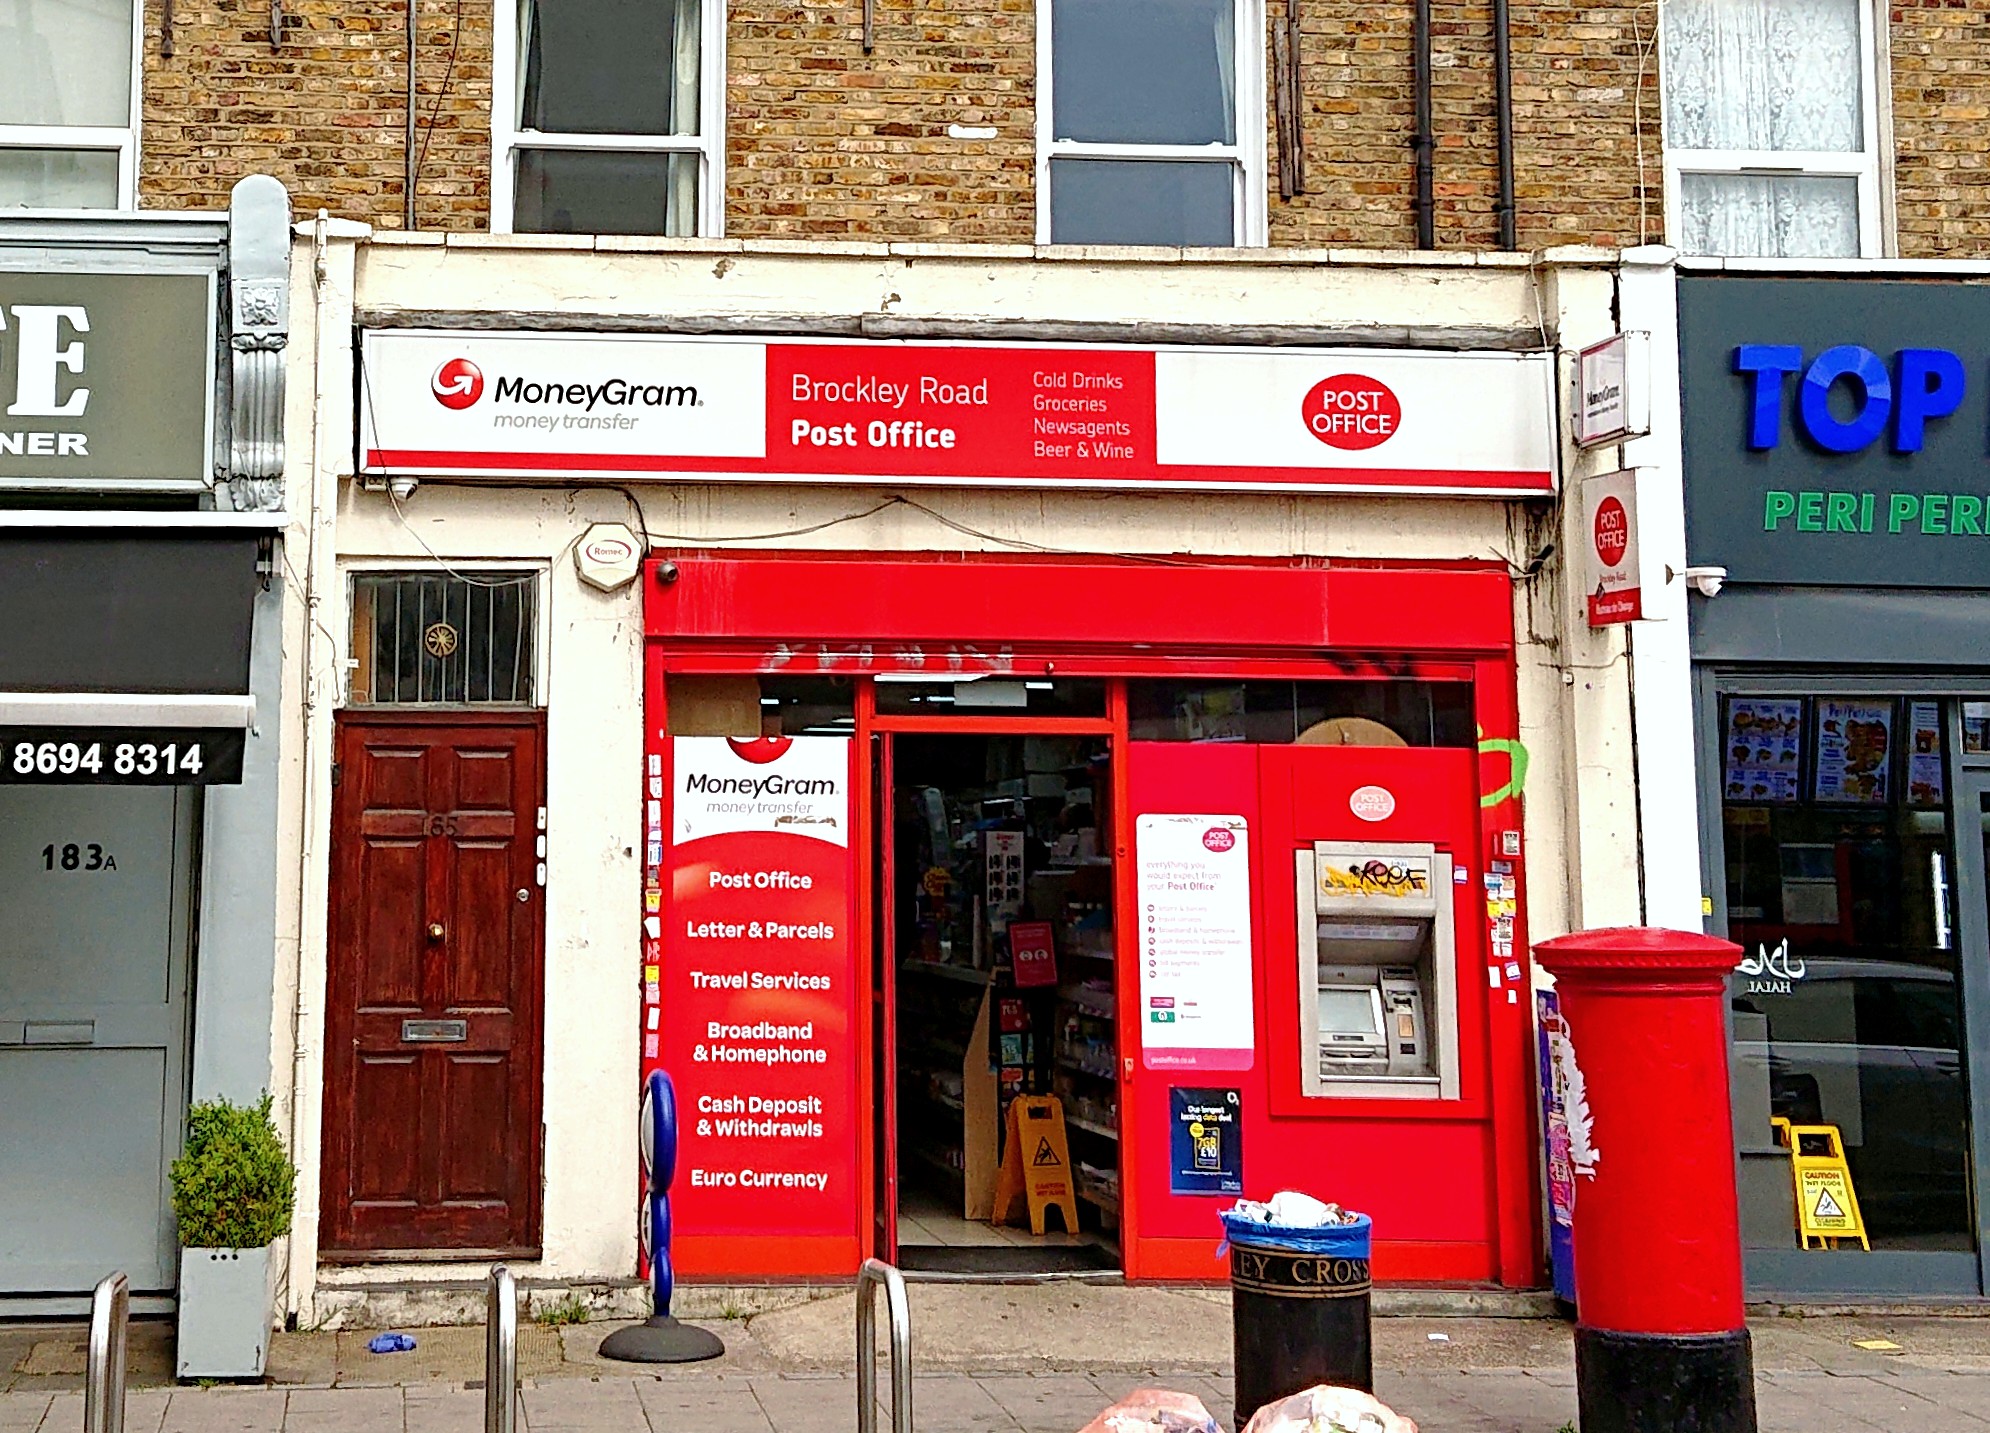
(1863, 367)
(1931, 386)
(1768, 363)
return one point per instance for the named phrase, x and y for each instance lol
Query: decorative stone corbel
(259, 329)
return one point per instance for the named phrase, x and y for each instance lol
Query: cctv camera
(1706, 580)
(402, 487)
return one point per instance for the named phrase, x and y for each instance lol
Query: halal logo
(439, 639)
(457, 383)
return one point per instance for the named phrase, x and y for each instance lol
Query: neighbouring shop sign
(1834, 430)
(121, 756)
(1193, 878)
(1098, 416)
(106, 380)
(747, 978)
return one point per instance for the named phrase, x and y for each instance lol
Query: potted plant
(233, 1189)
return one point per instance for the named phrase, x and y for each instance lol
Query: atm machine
(1378, 971)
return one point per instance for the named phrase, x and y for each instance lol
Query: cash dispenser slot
(1377, 971)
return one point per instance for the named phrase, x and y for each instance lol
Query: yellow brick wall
(326, 112)
(824, 141)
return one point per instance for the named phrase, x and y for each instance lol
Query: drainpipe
(1503, 96)
(1424, 141)
(408, 185)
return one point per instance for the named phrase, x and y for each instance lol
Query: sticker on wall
(1372, 803)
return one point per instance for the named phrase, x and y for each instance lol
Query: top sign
(1613, 390)
(1283, 420)
(106, 381)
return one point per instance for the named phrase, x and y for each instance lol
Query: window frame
(508, 138)
(538, 570)
(1246, 158)
(121, 140)
(1864, 165)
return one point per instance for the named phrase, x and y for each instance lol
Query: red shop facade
(1222, 856)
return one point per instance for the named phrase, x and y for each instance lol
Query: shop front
(140, 684)
(1033, 765)
(1834, 468)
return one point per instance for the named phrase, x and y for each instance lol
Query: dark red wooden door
(432, 1061)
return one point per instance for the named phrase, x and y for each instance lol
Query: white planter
(224, 1313)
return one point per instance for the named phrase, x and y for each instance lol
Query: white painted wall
(1573, 693)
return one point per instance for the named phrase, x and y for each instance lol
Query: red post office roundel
(1351, 411)
(1613, 532)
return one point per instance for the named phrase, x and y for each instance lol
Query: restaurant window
(1839, 846)
(1771, 142)
(1151, 130)
(69, 104)
(616, 119)
(443, 638)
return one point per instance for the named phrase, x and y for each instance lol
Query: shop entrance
(95, 886)
(997, 978)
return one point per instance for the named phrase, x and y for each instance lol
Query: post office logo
(1351, 411)
(457, 383)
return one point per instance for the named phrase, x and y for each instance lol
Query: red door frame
(831, 614)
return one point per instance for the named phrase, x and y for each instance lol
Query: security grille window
(443, 639)
(616, 119)
(1153, 132)
(1771, 135)
(68, 106)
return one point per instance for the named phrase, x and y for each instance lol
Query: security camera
(1707, 581)
(402, 487)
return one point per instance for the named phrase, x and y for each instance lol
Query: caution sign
(1827, 1205)
(1036, 1125)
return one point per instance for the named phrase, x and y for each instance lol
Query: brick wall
(1941, 102)
(825, 141)
(326, 112)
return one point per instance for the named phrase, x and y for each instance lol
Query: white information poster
(1194, 876)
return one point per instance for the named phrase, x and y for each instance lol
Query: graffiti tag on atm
(1376, 878)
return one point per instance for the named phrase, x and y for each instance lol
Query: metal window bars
(110, 1329)
(876, 1273)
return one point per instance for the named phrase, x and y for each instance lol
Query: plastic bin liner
(1155, 1410)
(1338, 1241)
(1329, 1410)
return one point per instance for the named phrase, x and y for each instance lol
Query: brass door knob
(435, 931)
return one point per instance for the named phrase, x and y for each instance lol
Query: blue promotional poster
(1206, 1143)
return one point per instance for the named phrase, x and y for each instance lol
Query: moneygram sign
(106, 381)
(1097, 416)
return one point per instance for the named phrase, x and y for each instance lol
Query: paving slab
(23, 1412)
(225, 1410)
(720, 1405)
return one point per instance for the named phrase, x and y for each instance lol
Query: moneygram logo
(1351, 411)
(457, 383)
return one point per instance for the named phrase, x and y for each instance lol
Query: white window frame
(1864, 166)
(1246, 157)
(508, 76)
(98, 138)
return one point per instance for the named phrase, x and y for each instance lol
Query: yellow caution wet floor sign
(1036, 1164)
(1827, 1207)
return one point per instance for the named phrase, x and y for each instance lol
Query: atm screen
(1348, 1010)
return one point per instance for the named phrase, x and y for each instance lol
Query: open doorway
(1000, 934)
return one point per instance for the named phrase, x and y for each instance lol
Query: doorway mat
(1006, 1259)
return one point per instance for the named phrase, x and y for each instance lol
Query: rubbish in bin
(1155, 1410)
(1329, 1410)
(391, 1343)
(1292, 1210)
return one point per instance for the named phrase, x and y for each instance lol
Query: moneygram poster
(749, 994)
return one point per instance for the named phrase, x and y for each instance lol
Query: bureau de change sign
(106, 380)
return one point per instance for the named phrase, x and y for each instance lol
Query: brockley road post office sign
(106, 380)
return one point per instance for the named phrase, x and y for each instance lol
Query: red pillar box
(1661, 1345)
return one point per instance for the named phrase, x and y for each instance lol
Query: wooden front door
(433, 1058)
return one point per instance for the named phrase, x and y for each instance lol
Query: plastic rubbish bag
(1289, 1209)
(1329, 1410)
(1155, 1410)
(391, 1343)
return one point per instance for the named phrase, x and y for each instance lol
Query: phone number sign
(120, 756)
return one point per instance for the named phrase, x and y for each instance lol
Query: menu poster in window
(1854, 751)
(1194, 885)
(1763, 754)
(1926, 784)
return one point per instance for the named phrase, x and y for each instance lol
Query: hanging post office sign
(107, 380)
(1613, 390)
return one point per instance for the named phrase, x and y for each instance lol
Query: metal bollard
(501, 1353)
(110, 1329)
(874, 1273)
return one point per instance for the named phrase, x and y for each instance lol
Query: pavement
(1043, 1358)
